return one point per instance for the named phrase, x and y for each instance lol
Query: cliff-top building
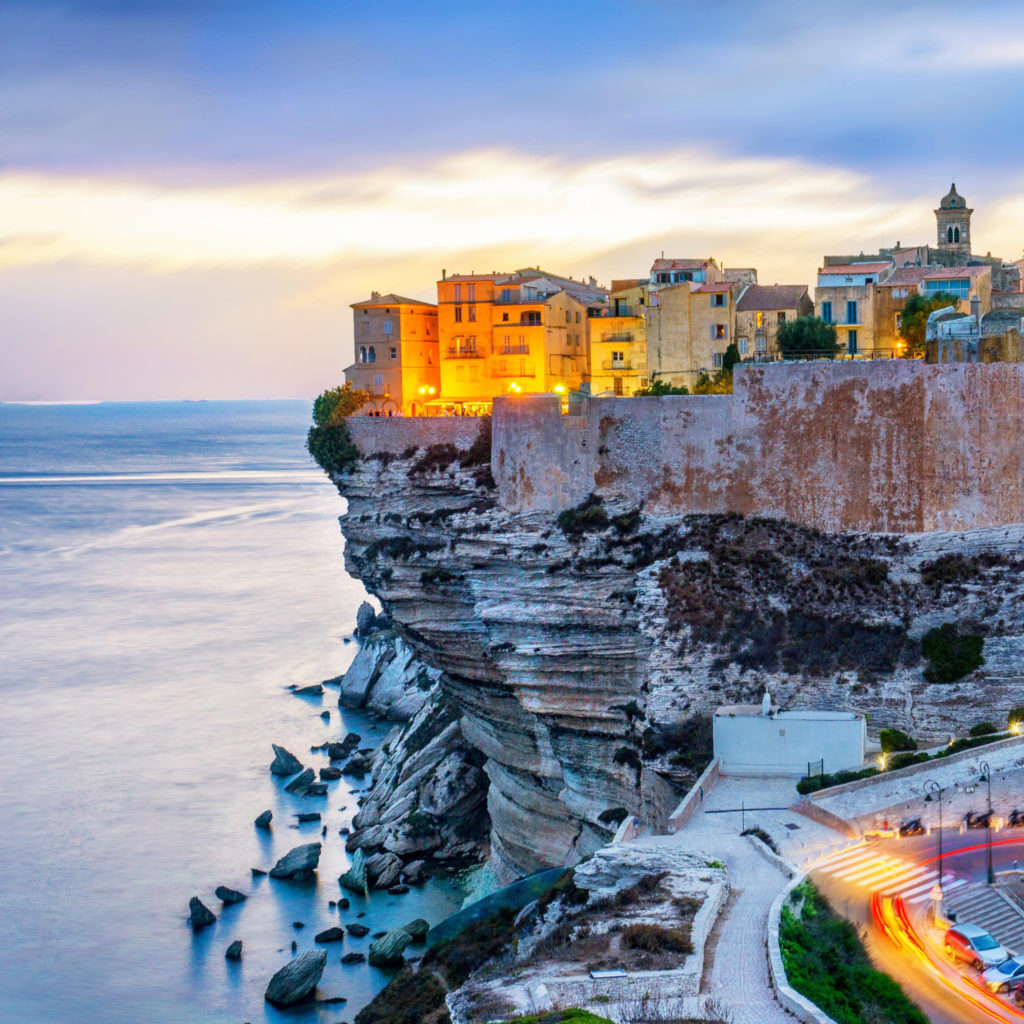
(396, 354)
(617, 340)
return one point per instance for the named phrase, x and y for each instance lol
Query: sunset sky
(193, 191)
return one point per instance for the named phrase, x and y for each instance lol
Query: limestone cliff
(581, 660)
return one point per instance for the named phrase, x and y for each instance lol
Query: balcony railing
(617, 364)
(512, 371)
(622, 311)
(464, 353)
(617, 336)
(516, 350)
(516, 299)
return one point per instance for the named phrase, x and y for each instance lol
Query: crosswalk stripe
(947, 886)
(841, 855)
(930, 880)
(879, 864)
(903, 878)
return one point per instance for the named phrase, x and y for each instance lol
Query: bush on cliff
(659, 389)
(951, 654)
(479, 452)
(588, 516)
(328, 440)
(895, 739)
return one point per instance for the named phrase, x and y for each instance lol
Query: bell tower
(953, 218)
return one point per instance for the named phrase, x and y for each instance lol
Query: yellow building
(524, 332)
(396, 354)
(617, 341)
(761, 310)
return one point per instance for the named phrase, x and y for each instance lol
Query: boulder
(313, 690)
(329, 774)
(357, 764)
(264, 820)
(357, 931)
(397, 890)
(363, 673)
(305, 816)
(234, 951)
(355, 878)
(417, 929)
(403, 685)
(414, 872)
(285, 762)
(343, 903)
(256, 872)
(199, 915)
(296, 980)
(316, 789)
(298, 863)
(383, 870)
(387, 951)
(330, 935)
(365, 618)
(338, 750)
(301, 781)
(353, 958)
(226, 895)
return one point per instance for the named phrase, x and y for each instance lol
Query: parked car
(972, 820)
(1016, 818)
(975, 945)
(1005, 976)
(911, 827)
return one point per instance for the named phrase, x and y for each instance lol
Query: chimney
(374, 296)
(444, 274)
(976, 313)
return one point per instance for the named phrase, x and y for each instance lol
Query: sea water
(166, 570)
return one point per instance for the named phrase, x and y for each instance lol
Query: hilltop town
(680, 326)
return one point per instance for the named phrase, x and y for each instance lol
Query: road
(906, 868)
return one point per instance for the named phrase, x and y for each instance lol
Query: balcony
(624, 336)
(516, 299)
(515, 350)
(622, 311)
(518, 372)
(617, 364)
(464, 353)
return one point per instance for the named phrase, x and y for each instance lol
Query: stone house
(396, 354)
(617, 341)
(846, 296)
(761, 310)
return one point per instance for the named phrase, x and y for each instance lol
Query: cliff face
(582, 660)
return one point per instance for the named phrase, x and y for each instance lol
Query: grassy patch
(561, 1017)
(408, 999)
(951, 654)
(826, 962)
(588, 516)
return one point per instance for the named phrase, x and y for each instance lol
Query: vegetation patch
(656, 938)
(589, 516)
(458, 957)
(560, 1017)
(760, 833)
(328, 440)
(479, 452)
(400, 548)
(436, 459)
(825, 961)
(689, 744)
(895, 739)
(409, 998)
(951, 654)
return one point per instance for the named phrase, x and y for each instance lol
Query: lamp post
(933, 790)
(986, 776)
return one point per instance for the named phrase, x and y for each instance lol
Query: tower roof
(952, 200)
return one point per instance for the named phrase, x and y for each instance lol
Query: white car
(1005, 976)
(975, 945)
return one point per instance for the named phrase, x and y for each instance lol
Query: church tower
(954, 223)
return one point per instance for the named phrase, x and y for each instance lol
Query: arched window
(362, 354)
(949, 234)
(956, 234)
(371, 355)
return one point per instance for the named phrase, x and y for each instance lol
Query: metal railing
(618, 336)
(515, 350)
(529, 371)
(464, 353)
(616, 364)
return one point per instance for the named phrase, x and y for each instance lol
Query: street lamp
(932, 790)
(986, 776)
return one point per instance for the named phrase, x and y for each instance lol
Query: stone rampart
(373, 435)
(894, 446)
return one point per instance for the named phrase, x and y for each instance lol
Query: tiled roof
(678, 265)
(848, 269)
(771, 296)
(626, 283)
(714, 286)
(391, 300)
(904, 276)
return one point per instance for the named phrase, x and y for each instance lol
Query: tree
(730, 359)
(659, 388)
(328, 440)
(805, 336)
(914, 319)
(714, 384)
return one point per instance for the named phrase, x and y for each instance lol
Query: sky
(192, 192)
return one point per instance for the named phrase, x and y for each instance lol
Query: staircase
(992, 908)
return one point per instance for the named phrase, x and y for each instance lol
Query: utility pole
(986, 776)
(934, 790)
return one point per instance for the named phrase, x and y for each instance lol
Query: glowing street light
(932, 790)
(986, 776)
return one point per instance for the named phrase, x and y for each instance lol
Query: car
(911, 827)
(1005, 976)
(975, 945)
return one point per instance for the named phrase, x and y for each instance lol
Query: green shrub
(588, 516)
(949, 569)
(982, 729)
(951, 655)
(626, 523)
(627, 755)
(328, 440)
(408, 999)
(895, 739)
(654, 938)
(459, 956)
(479, 452)
(905, 760)
(756, 830)
(436, 459)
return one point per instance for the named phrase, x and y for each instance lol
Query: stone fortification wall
(374, 435)
(889, 446)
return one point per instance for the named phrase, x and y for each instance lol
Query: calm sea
(166, 570)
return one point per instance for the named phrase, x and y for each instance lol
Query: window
(389, 327)
(826, 312)
(458, 314)
(365, 327)
(664, 278)
(618, 360)
(378, 383)
(362, 353)
(472, 314)
(851, 311)
(371, 355)
(458, 293)
(851, 342)
(531, 317)
(394, 351)
(504, 318)
(759, 321)
(956, 234)
(719, 332)
(781, 317)
(718, 360)
(761, 345)
(506, 294)
(960, 287)
(900, 293)
(741, 344)
(577, 316)
(718, 299)
(899, 321)
(568, 317)
(471, 292)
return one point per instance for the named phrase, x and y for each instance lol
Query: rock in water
(325, 715)
(355, 878)
(414, 872)
(284, 763)
(226, 895)
(257, 872)
(387, 952)
(353, 958)
(314, 690)
(301, 781)
(316, 789)
(264, 820)
(357, 931)
(357, 764)
(306, 816)
(234, 951)
(297, 979)
(329, 774)
(199, 915)
(417, 929)
(298, 863)
(330, 935)
(339, 750)
(384, 870)
(365, 616)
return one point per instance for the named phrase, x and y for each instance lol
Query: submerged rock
(353, 958)
(301, 781)
(306, 816)
(397, 890)
(325, 715)
(343, 903)
(234, 951)
(330, 774)
(357, 931)
(226, 895)
(355, 878)
(297, 979)
(316, 789)
(338, 750)
(387, 952)
(313, 690)
(199, 914)
(357, 764)
(285, 762)
(256, 872)
(264, 820)
(330, 935)
(298, 863)
(417, 929)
